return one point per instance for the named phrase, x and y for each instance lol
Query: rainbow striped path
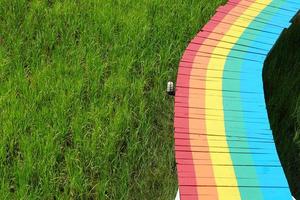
(223, 143)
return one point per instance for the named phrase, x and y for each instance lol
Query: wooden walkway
(223, 143)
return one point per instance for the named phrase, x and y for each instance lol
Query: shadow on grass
(282, 93)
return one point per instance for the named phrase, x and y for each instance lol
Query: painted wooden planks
(224, 147)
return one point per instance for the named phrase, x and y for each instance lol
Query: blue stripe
(272, 153)
(253, 120)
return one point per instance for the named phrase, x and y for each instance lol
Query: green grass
(83, 110)
(282, 90)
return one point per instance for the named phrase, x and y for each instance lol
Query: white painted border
(177, 196)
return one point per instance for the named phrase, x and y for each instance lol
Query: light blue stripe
(244, 124)
(272, 172)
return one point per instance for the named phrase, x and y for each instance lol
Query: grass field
(83, 110)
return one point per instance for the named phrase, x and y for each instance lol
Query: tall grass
(83, 111)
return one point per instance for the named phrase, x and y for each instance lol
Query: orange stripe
(198, 101)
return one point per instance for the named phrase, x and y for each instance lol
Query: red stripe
(183, 79)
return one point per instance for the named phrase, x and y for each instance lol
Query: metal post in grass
(170, 88)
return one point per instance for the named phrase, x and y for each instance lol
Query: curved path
(223, 143)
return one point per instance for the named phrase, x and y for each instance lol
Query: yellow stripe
(231, 193)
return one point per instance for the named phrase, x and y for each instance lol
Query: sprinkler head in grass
(170, 88)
